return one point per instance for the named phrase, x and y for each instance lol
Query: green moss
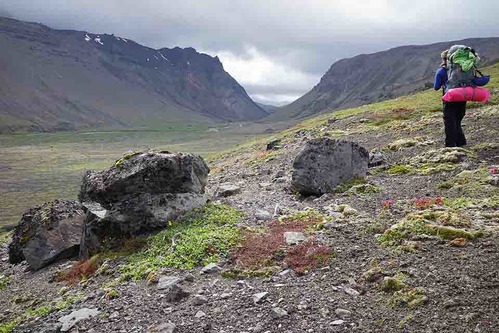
(405, 321)
(203, 236)
(8, 327)
(40, 312)
(5, 280)
(341, 188)
(409, 298)
(402, 143)
(112, 294)
(451, 233)
(445, 185)
(392, 284)
(363, 189)
(400, 169)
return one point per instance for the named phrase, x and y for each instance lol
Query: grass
(203, 236)
(41, 167)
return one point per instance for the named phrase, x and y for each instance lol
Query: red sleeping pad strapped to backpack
(463, 94)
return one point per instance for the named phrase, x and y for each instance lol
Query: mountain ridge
(67, 79)
(368, 78)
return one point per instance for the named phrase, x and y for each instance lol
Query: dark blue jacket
(440, 78)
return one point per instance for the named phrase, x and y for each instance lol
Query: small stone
(165, 328)
(76, 316)
(259, 297)
(227, 189)
(293, 238)
(199, 300)
(342, 313)
(274, 144)
(279, 313)
(262, 215)
(175, 293)
(324, 312)
(338, 322)
(285, 272)
(189, 277)
(114, 315)
(225, 295)
(211, 269)
(200, 314)
(351, 291)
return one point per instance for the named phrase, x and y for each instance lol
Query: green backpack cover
(461, 67)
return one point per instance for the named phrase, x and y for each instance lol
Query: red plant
(494, 170)
(427, 202)
(260, 250)
(79, 271)
(387, 204)
(306, 256)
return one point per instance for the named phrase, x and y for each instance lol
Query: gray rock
(210, 269)
(199, 300)
(279, 313)
(226, 190)
(293, 237)
(274, 144)
(342, 313)
(47, 233)
(175, 293)
(337, 322)
(39, 328)
(259, 297)
(76, 316)
(376, 159)
(165, 328)
(325, 163)
(262, 215)
(200, 314)
(351, 291)
(324, 312)
(138, 194)
(166, 282)
(225, 295)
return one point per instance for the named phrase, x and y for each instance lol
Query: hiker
(457, 70)
(453, 111)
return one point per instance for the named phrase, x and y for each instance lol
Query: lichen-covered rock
(47, 233)
(140, 193)
(325, 163)
(149, 172)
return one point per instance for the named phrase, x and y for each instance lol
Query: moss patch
(203, 236)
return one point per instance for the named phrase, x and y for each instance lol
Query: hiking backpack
(461, 67)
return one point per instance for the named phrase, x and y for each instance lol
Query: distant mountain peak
(66, 79)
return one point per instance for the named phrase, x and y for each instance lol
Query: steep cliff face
(374, 77)
(54, 79)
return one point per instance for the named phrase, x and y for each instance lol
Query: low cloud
(270, 44)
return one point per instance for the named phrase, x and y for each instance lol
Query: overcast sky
(277, 49)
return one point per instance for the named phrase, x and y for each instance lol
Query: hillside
(411, 247)
(63, 80)
(369, 78)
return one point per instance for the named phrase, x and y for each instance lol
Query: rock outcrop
(325, 163)
(47, 233)
(140, 193)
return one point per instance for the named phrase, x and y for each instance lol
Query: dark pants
(453, 115)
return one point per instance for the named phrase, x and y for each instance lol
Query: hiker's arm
(439, 78)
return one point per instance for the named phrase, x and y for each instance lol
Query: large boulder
(325, 163)
(47, 233)
(140, 193)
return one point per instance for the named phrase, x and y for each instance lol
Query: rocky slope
(64, 80)
(412, 245)
(368, 78)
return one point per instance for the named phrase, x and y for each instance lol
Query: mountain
(63, 79)
(368, 78)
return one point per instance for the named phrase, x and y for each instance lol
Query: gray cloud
(302, 37)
